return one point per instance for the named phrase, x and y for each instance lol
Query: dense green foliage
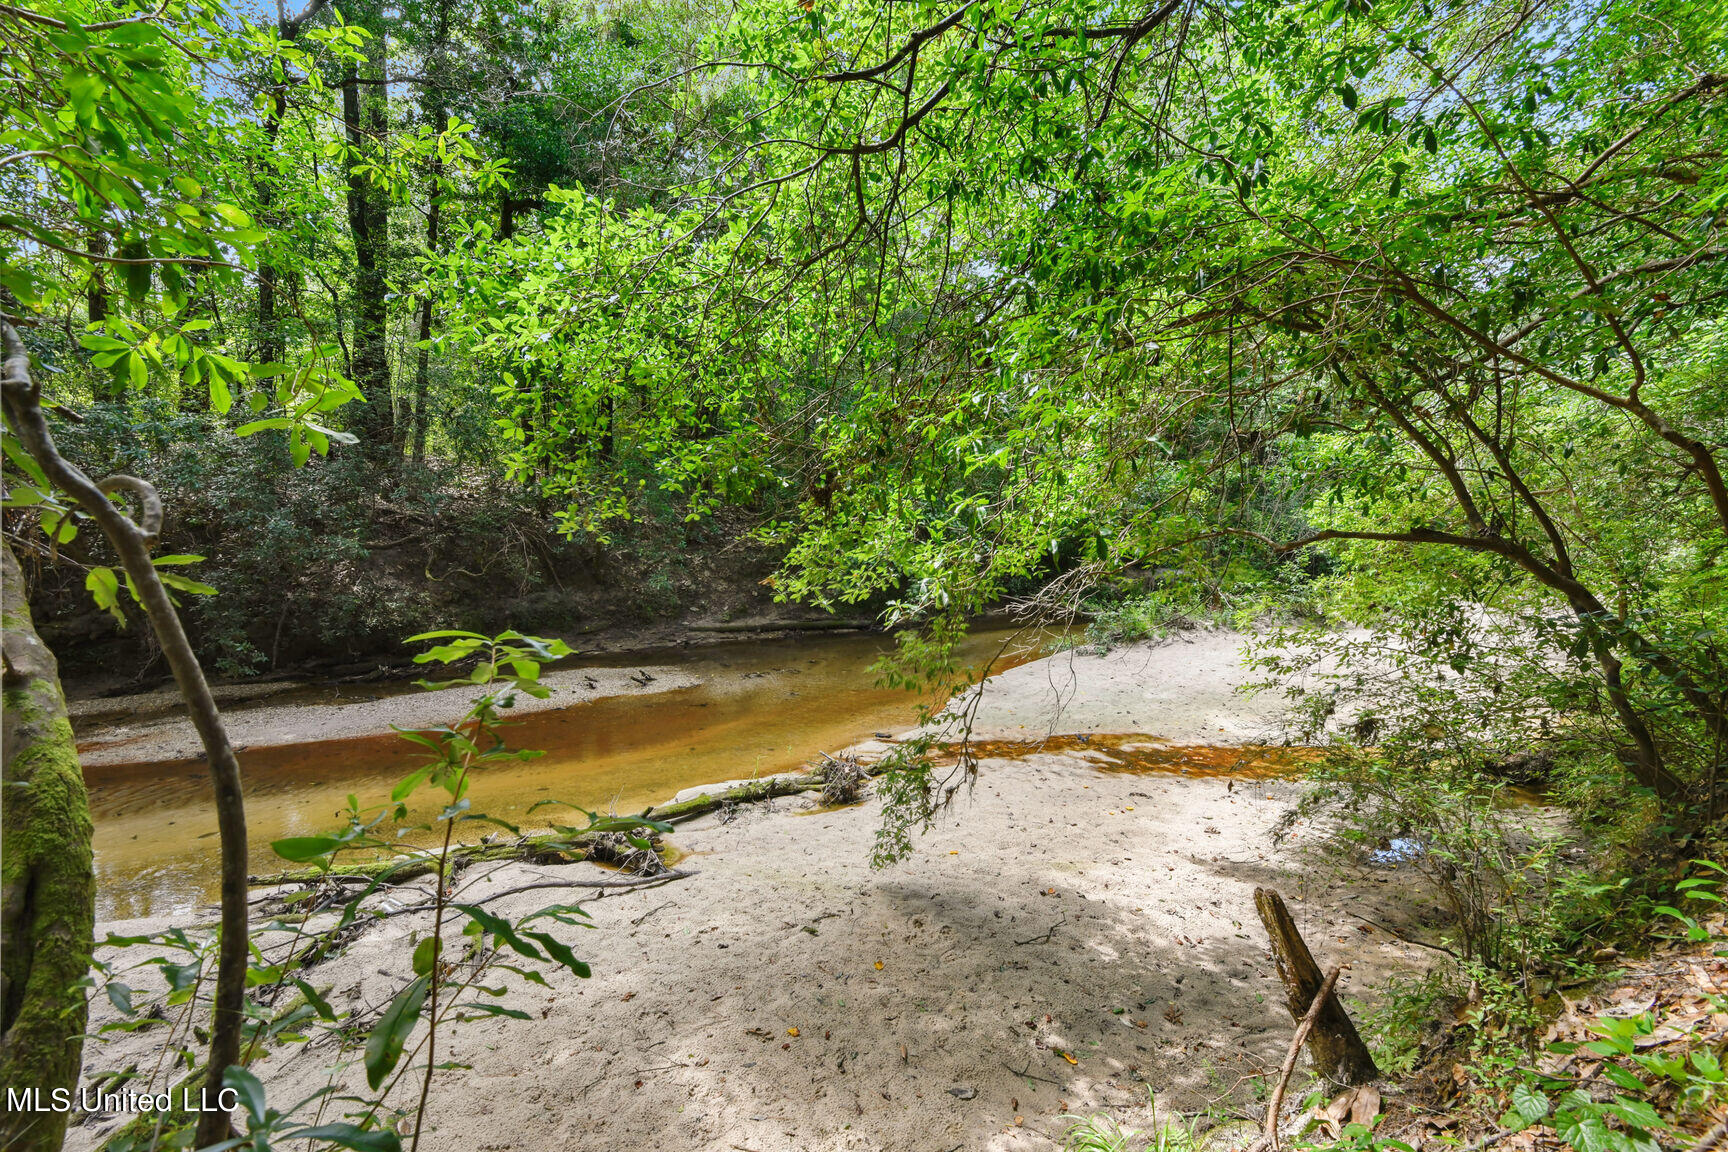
(1405, 310)
(1401, 318)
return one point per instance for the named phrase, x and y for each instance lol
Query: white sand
(1056, 908)
(1189, 689)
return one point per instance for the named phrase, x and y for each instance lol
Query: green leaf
(496, 1010)
(425, 954)
(60, 526)
(25, 463)
(181, 976)
(221, 399)
(255, 426)
(319, 1004)
(104, 588)
(303, 849)
(1529, 1104)
(250, 1091)
(183, 584)
(120, 996)
(406, 786)
(501, 928)
(137, 274)
(83, 89)
(232, 215)
(561, 953)
(527, 974)
(1623, 1078)
(384, 1045)
(350, 1136)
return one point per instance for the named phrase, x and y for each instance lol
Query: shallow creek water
(762, 707)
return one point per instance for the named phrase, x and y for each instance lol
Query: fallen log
(548, 848)
(751, 791)
(1336, 1048)
(555, 847)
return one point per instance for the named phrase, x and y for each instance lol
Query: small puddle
(762, 707)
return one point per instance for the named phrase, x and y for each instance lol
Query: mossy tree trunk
(47, 880)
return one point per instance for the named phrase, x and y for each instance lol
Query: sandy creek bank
(1060, 907)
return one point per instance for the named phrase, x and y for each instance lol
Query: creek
(760, 707)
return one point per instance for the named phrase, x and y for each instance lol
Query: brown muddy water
(762, 707)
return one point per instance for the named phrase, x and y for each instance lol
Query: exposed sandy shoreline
(1187, 689)
(171, 736)
(1056, 908)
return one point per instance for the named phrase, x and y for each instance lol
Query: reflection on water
(764, 707)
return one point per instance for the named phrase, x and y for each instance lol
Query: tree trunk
(1337, 1050)
(132, 541)
(365, 120)
(436, 115)
(47, 878)
(422, 360)
(107, 387)
(269, 337)
(422, 365)
(95, 295)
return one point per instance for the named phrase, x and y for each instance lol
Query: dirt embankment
(1075, 934)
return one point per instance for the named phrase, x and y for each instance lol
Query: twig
(1027, 1073)
(1494, 1138)
(1401, 938)
(612, 885)
(1044, 939)
(657, 908)
(1269, 1139)
(1712, 1139)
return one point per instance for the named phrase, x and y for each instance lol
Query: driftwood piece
(556, 847)
(548, 848)
(1276, 1105)
(767, 788)
(1337, 1050)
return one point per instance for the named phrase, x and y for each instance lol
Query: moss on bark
(47, 878)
